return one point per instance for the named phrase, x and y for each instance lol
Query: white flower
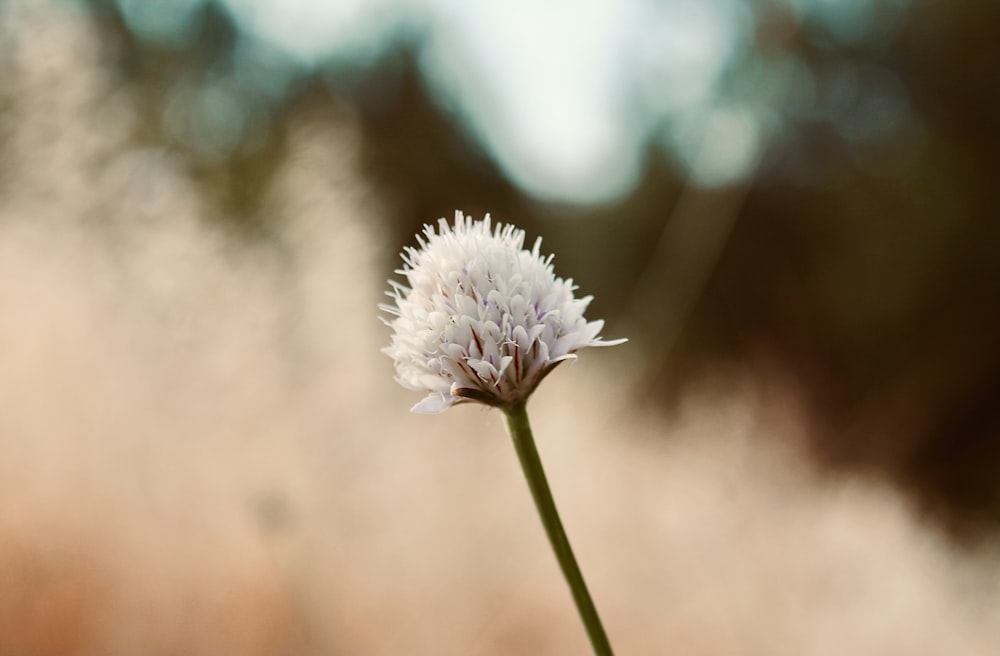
(483, 319)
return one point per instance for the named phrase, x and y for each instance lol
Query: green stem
(527, 453)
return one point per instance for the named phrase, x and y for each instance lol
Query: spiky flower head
(481, 318)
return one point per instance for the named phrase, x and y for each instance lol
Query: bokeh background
(790, 207)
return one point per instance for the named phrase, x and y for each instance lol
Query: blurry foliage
(863, 256)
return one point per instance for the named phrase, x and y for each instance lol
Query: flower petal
(433, 404)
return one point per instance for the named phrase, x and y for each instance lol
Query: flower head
(482, 318)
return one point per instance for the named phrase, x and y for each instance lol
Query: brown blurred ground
(202, 451)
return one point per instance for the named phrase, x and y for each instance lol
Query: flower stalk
(524, 443)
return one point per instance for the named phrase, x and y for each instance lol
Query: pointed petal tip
(433, 404)
(610, 342)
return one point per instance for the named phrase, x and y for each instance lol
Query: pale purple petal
(433, 404)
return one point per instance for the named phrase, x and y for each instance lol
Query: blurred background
(790, 207)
